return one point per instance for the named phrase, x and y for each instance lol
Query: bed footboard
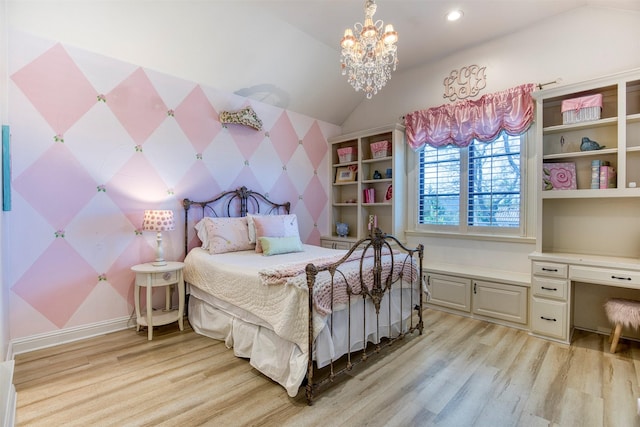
(377, 269)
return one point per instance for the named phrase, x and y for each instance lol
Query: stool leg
(616, 337)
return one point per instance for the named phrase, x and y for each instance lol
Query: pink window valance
(483, 119)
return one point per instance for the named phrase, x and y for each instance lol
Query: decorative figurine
(590, 145)
(377, 175)
(342, 228)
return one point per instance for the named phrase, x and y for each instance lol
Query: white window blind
(478, 186)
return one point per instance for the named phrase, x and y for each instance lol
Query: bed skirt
(280, 359)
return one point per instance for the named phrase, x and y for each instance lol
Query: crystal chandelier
(368, 55)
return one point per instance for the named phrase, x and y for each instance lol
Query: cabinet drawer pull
(548, 318)
(549, 289)
(554, 270)
(620, 277)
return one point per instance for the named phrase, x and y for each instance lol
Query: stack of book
(603, 175)
(369, 195)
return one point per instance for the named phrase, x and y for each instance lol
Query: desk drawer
(550, 269)
(331, 244)
(549, 318)
(157, 279)
(605, 276)
(550, 288)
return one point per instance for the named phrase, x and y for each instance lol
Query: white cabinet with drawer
(550, 298)
(486, 299)
(550, 269)
(549, 318)
(549, 288)
(450, 291)
(605, 276)
(336, 244)
(500, 301)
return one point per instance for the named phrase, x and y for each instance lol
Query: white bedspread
(234, 278)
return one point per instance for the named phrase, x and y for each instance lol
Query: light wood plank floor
(460, 372)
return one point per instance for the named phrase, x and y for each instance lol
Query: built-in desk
(569, 291)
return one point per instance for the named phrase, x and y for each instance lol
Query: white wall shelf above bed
(355, 159)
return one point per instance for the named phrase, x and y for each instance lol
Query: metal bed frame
(242, 201)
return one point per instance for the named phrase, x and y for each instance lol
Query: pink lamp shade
(159, 221)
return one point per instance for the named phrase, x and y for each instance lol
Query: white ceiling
(281, 52)
(424, 35)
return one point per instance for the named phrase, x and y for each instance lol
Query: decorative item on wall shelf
(342, 229)
(380, 149)
(246, 117)
(373, 222)
(389, 194)
(377, 175)
(581, 109)
(346, 174)
(465, 83)
(369, 195)
(590, 145)
(559, 176)
(347, 154)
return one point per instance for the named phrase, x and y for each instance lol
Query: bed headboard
(233, 203)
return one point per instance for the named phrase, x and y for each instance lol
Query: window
(476, 189)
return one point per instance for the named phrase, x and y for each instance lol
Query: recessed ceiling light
(454, 15)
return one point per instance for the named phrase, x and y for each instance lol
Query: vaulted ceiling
(424, 36)
(283, 52)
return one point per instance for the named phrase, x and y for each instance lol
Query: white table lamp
(159, 221)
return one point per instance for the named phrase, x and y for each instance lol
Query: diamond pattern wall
(97, 141)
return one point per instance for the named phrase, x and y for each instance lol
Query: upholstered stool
(621, 312)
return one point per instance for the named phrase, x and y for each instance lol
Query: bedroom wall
(219, 44)
(578, 45)
(96, 141)
(4, 289)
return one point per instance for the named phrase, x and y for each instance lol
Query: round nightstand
(150, 276)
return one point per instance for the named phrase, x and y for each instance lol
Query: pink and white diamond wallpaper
(96, 141)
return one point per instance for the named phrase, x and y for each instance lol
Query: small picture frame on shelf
(346, 174)
(559, 176)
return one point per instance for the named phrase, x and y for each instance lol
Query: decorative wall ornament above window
(465, 82)
(368, 55)
(246, 117)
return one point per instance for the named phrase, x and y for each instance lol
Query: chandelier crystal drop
(369, 52)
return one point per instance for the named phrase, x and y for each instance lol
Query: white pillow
(201, 231)
(275, 226)
(221, 235)
(252, 227)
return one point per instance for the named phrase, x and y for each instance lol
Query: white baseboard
(8, 395)
(62, 336)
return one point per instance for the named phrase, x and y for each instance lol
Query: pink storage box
(347, 154)
(581, 109)
(380, 149)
